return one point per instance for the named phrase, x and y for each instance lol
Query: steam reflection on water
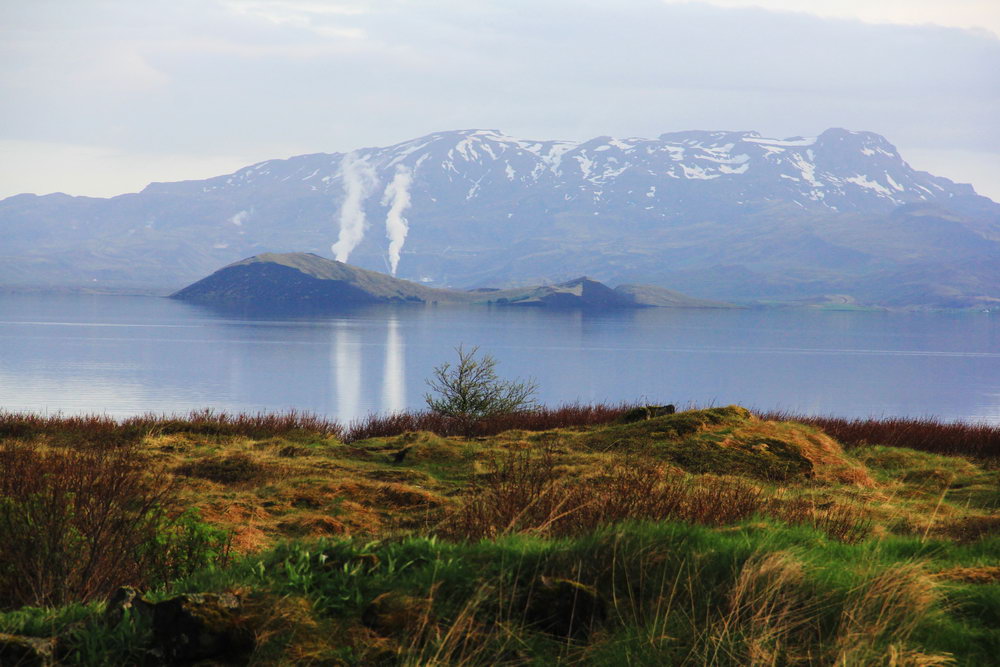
(123, 356)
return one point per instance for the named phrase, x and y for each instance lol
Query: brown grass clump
(825, 455)
(886, 610)
(979, 440)
(987, 574)
(770, 608)
(972, 528)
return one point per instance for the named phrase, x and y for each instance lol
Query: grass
(564, 536)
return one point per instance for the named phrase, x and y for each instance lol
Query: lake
(121, 356)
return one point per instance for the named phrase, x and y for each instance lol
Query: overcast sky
(100, 97)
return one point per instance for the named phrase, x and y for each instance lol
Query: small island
(308, 280)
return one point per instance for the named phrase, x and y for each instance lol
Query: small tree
(470, 391)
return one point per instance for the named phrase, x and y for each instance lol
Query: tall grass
(635, 593)
(528, 493)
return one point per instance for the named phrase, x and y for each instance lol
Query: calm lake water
(129, 355)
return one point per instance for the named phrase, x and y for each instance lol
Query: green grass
(659, 593)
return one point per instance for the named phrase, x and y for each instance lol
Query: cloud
(269, 79)
(965, 14)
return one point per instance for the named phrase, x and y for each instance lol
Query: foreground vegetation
(573, 535)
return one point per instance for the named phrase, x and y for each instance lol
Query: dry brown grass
(889, 606)
(987, 574)
(265, 487)
(827, 458)
(528, 492)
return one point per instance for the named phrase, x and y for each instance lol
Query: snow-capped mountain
(839, 170)
(729, 215)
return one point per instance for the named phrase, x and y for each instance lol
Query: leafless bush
(76, 524)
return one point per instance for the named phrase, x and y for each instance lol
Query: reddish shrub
(77, 524)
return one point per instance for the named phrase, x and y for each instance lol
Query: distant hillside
(305, 279)
(715, 214)
(651, 295)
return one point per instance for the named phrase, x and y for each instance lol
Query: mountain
(718, 215)
(304, 279)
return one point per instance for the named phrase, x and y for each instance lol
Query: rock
(20, 651)
(647, 412)
(564, 608)
(201, 626)
(125, 599)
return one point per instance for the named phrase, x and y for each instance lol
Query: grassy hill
(563, 536)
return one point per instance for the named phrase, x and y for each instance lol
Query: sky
(101, 97)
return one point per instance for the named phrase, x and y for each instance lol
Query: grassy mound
(702, 537)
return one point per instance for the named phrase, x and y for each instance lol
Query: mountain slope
(728, 215)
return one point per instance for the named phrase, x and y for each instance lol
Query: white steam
(397, 192)
(359, 180)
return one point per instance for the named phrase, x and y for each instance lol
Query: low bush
(104, 431)
(75, 525)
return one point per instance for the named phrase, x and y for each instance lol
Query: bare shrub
(470, 391)
(103, 431)
(75, 525)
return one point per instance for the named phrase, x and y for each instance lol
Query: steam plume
(359, 180)
(398, 192)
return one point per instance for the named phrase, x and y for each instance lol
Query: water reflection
(128, 355)
(346, 362)
(394, 371)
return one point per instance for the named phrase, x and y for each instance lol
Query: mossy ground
(339, 564)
